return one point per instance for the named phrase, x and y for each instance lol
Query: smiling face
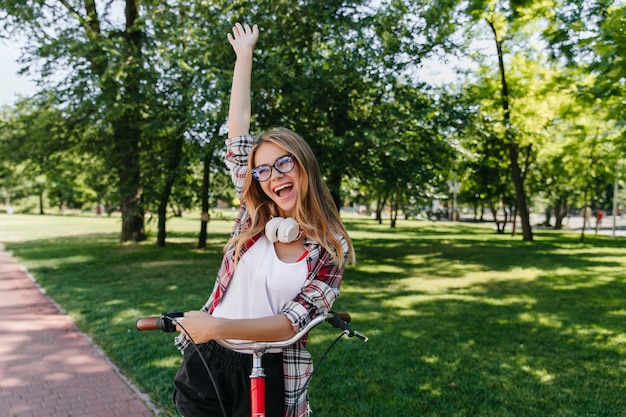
(281, 188)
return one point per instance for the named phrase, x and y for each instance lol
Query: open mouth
(283, 189)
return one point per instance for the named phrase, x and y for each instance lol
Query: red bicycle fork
(257, 386)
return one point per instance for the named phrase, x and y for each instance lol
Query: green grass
(461, 321)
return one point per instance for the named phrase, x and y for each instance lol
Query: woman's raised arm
(242, 40)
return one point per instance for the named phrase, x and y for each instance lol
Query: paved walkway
(47, 367)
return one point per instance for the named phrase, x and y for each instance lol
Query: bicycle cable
(206, 366)
(315, 368)
(347, 332)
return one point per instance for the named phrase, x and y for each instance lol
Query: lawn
(462, 321)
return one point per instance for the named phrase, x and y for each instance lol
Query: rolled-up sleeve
(237, 151)
(319, 293)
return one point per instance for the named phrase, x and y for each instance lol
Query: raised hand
(243, 38)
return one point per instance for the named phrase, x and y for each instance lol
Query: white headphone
(282, 230)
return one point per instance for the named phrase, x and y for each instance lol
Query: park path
(48, 368)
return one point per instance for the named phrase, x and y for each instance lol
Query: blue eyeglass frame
(255, 170)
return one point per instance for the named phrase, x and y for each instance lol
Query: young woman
(281, 268)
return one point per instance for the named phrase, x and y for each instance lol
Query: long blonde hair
(315, 210)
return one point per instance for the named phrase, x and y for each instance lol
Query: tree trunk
(394, 211)
(500, 226)
(560, 212)
(516, 173)
(122, 100)
(204, 197)
(171, 168)
(129, 180)
(548, 221)
(513, 220)
(585, 214)
(334, 186)
(380, 205)
(127, 133)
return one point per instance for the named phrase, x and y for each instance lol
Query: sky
(12, 85)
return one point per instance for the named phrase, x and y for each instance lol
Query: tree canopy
(137, 91)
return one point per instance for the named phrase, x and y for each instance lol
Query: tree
(190, 94)
(102, 59)
(589, 37)
(445, 26)
(315, 74)
(590, 34)
(40, 145)
(485, 177)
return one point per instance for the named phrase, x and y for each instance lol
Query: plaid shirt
(320, 289)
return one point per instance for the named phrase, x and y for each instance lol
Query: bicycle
(168, 321)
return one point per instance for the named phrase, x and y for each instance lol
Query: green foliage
(589, 35)
(40, 150)
(139, 96)
(609, 64)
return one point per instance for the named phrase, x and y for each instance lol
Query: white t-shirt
(262, 284)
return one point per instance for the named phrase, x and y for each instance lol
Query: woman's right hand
(199, 326)
(243, 38)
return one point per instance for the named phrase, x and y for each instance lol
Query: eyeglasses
(284, 165)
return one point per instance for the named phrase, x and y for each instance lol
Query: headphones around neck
(282, 230)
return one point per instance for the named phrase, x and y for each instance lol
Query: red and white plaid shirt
(320, 289)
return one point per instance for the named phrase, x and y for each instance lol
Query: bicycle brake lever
(360, 336)
(167, 321)
(337, 322)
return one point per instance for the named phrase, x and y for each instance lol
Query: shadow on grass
(464, 327)
(497, 349)
(462, 322)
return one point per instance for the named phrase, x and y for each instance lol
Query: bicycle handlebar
(168, 320)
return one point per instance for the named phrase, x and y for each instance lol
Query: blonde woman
(282, 266)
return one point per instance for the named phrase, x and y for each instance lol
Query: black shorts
(194, 393)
